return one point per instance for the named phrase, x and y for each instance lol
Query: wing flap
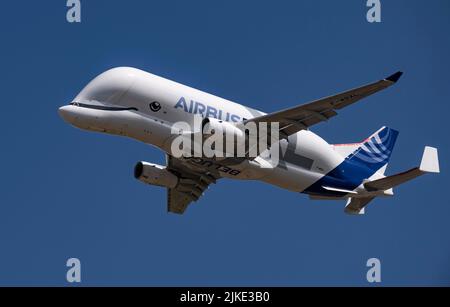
(177, 202)
(192, 184)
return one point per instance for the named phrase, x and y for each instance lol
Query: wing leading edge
(304, 116)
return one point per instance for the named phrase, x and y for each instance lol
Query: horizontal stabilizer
(356, 206)
(429, 164)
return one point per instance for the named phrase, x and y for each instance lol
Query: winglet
(395, 77)
(430, 160)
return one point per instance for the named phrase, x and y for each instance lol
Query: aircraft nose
(67, 113)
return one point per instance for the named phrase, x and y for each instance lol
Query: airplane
(133, 103)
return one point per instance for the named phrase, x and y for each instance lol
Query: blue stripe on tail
(372, 155)
(375, 152)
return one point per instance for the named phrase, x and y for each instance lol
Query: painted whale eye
(155, 106)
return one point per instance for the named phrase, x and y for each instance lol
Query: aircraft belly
(291, 177)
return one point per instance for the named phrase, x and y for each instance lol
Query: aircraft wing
(304, 116)
(194, 181)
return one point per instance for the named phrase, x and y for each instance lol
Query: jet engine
(227, 134)
(155, 174)
(211, 126)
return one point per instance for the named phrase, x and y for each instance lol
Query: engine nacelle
(228, 134)
(155, 174)
(211, 126)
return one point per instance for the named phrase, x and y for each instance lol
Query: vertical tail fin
(376, 151)
(362, 161)
(373, 153)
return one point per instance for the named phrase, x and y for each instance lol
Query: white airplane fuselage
(133, 103)
(139, 105)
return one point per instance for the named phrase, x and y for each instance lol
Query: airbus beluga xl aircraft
(133, 103)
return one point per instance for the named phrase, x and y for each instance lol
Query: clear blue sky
(68, 193)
